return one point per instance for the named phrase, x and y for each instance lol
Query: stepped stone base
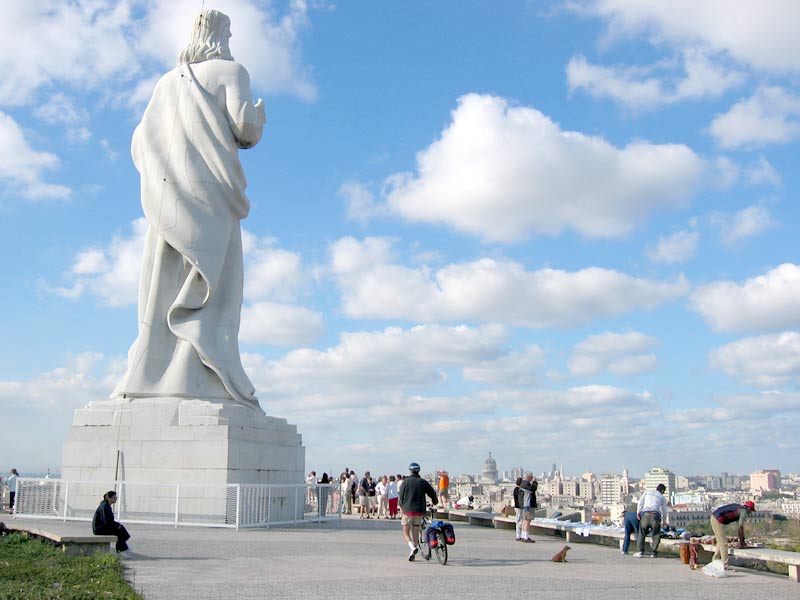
(179, 440)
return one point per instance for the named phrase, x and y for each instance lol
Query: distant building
(613, 488)
(682, 517)
(768, 480)
(690, 500)
(658, 475)
(467, 486)
(791, 509)
(490, 470)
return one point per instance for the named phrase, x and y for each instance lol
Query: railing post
(177, 503)
(122, 491)
(269, 504)
(238, 504)
(66, 499)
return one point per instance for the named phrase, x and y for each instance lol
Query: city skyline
(553, 230)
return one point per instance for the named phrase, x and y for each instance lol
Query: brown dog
(561, 555)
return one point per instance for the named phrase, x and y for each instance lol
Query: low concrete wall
(774, 561)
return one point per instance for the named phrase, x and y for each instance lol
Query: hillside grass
(35, 569)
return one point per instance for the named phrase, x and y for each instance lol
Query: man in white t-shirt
(652, 513)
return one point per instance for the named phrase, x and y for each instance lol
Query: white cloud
(675, 248)
(724, 173)
(112, 154)
(77, 44)
(653, 86)
(771, 115)
(22, 168)
(738, 227)
(765, 361)
(515, 368)
(271, 272)
(618, 353)
(365, 364)
(507, 173)
(111, 273)
(488, 290)
(762, 35)
(351, 257)
(279, 324)
(774, 402)
(360, 202)
(60, 109)
(88, 44)
(45, 403)
(761, 172)
(90, 262)
(768, 302)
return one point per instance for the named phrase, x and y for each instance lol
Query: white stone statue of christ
(192, 185)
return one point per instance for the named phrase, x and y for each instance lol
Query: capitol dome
(490, 470)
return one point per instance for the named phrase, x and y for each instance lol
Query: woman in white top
(391, 496)
(383, 500)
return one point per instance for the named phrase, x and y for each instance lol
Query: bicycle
(422, 541)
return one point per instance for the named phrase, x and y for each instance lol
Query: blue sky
(554, 231)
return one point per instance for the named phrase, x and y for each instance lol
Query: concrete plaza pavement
(368, 559)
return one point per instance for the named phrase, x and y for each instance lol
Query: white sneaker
(638, 555)
(413, 555)
(124, 554)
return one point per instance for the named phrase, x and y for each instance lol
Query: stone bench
(764, 555)
(66, 538)
(573, 533)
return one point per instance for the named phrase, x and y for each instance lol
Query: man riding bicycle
(412, 503)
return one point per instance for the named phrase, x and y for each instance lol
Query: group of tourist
(367, 496)
(649, 516)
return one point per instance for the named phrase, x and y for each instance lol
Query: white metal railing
(234, 505)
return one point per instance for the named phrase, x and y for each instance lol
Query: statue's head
(210, 34)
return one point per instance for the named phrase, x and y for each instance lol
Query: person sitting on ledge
(103, 523)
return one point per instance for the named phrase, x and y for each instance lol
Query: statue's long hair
(209, 39)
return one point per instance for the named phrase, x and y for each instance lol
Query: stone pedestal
(178, 458)
(177, 440)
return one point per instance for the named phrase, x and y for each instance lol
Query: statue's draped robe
(192, 184)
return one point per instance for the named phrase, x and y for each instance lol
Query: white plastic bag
(715, 568)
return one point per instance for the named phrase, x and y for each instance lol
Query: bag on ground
(715, 568)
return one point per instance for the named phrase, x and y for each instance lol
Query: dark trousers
(650, 524)
(631, 526)
(11, 496)
(122, 536)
